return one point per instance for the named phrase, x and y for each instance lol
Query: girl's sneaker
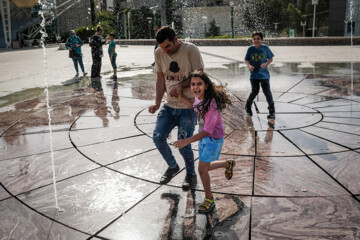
(76, 75)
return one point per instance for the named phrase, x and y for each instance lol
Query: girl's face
(257, 41)
(198, 87)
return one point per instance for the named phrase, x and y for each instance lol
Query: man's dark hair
(165, 32)
(258, 33)
(112, 34)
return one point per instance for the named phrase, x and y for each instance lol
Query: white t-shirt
(176, 68)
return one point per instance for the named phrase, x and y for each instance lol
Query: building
(344, 18)
(23, 20)
(73, 14)
(352, 18)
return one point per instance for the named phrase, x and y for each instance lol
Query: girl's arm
(184, 99)
(184, 142)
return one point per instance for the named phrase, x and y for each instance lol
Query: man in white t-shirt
(175, 61)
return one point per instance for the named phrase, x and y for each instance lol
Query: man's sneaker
(76, 75)
(271, 113)
(190, 181)
(112, 77)
(84, 74)
(169, 174)
(248, 110)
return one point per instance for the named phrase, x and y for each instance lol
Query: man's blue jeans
(167, 119)
(255, 88)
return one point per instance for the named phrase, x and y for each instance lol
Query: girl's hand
(251, 68)
(76, 45)
(181, 143)
(110, 58)
(263, 66)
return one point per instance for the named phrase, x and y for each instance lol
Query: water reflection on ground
(300, 168)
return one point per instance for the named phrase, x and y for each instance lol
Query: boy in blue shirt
(112, 54)
(257, 58)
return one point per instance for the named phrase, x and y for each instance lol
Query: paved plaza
(296, 177)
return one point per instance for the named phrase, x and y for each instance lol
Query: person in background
(112, 54)
(74, 43)
(96, 43)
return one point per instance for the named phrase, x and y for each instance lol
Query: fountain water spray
(43, 36)
(351, 39)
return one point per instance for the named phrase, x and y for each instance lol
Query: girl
(209, 101)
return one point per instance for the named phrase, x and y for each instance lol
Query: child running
(209, 101)
(257, 59)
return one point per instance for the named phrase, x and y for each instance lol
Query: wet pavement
(296, 177)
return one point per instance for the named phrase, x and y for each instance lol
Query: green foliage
(107, 21)
(322, 14)
(84, 33)
(263, 14)
(140, 27)
(213, 29)
(292, 16)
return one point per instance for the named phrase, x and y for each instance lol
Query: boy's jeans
(167, 119)
(255, 88)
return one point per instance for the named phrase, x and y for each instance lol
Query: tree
(213, 29)
(263, 14)
(107, 20)
(293, 17)
(139, 24)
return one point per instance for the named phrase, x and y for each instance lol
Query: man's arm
(184, 99)
(173, 92)
(160, 90)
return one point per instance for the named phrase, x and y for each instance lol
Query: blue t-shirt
(112, 45)
(258, 56)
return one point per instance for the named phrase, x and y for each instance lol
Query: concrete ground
(296, 177)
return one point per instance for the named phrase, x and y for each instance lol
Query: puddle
(230, 73)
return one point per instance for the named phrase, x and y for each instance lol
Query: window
(214, 3)
(349, 27)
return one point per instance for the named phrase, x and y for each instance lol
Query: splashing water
(43, 36)
(351, 39)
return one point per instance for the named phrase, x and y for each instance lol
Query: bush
(84, 33)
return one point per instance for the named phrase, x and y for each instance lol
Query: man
(96, 43)
(175, 60)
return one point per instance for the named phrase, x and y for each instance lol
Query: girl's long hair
(212, 91)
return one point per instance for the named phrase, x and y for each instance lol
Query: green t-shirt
(112, 45)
